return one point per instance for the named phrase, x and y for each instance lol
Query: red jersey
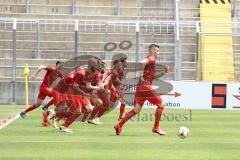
(82, 77)
(149, 69)
(66, 84)
(114, 73)
(51, 75)
(144, 90)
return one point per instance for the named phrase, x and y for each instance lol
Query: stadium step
(216, 60)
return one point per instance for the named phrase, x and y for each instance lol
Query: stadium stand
(51, 23)
(216, 42)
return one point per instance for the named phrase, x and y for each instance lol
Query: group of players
(88, 92)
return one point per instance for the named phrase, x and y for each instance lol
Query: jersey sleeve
(68, 79)
(78, 77)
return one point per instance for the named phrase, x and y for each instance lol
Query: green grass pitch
(214, 135)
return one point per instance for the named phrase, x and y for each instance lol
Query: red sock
(95, 112)
(101, 112)
(49, 104)
(122, 109)
(128, 116)
(70, 120)
(45, 116)
(30, 108)
(158, 115)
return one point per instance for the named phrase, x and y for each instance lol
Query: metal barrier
(43, 39)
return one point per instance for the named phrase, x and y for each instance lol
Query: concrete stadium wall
(6, 92)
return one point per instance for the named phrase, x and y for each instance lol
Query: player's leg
(75, 110)
(114, 102)
(137, 108)
(122, 109)
(61, 106)
(61, 112)
(46, 106)
(31, 107)
(113, 106)
(96, 114)
(46, 113)
(103, 97)
(70, 119)
(45, 121)
(95, 111)
(157, 100)
(43, 93)
(158, 115)
(56, 121)
(47, 92)
(47, 116)
(87, 108)
(102, 111)
(97, 103)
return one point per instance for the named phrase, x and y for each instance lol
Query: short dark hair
(115, 62)
(59, 62)
(120, 57)
(153, 45)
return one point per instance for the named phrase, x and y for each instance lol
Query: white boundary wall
(198, 95)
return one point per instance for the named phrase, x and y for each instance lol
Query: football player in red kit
(45, 88)
(79, 98)
(87, 81)
(65, 87)
(144, 92)
(102, 94)
(69, 107)
(118, 81)
(111, 81)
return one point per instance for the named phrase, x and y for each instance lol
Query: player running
(65, 86)
(112, 92)
(69, 107)
(87, 82)
(144, 92)
(117, 82)
(45, 89)
(78, 98)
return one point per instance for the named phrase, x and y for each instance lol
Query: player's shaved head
(153, 46)
(59, 63)
(154, 50)
(118, 58)
(92, 61)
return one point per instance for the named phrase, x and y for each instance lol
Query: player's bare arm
(40, 68)
(167, 69)
(81, 92)
(97, 87)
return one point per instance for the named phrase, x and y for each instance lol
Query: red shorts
(45, 92)
(78, 103)
(59, 99)
(145, 92)
(75, 103)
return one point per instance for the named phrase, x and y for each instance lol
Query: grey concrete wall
(6, 92)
